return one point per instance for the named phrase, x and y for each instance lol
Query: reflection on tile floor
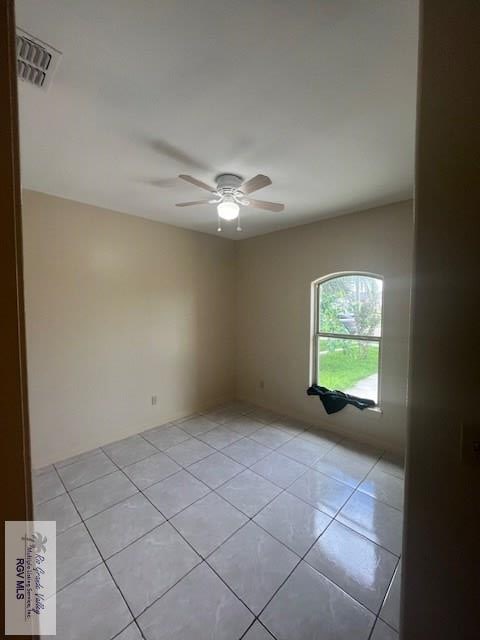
(238, 523)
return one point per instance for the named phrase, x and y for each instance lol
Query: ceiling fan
(230, 194)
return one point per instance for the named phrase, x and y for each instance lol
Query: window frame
(317, 334)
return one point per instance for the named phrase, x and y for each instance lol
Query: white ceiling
(317, 94)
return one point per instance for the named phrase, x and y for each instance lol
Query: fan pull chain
(219, 228)
(239, 228)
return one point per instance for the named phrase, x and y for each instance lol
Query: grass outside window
(344, 363)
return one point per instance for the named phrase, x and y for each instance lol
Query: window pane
(350, 366)
(351, 304)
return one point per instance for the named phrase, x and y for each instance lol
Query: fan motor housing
(228, 181)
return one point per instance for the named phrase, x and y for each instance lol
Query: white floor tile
(100, 494)
(82, 607)
(323, 493)
(390, 612)
(76, 554)
(246, 451)
(392, 463)
(163, 438)
(223, 414)
(350, 470)
(279, 469)
(220, 437)
(208, 474)
(325, 438)
(354, 563)
(190, 451)
(290, 425)
(375, 520)
(257, 632)
(198, 424)
(60, 509)
(176, 493)
(264, 415)
(83, 471)
(253, 564)
(293, 522)
(271, 437)
(122, 524)
(199, 607)
(215, 470)
(144, 570)
(382, 631)
(240, 406)
(46, 486)
(304, 451)
(151, 470)
(249, 492)
(309, 606)
(245, 425)
(129, 450)
(130, 633)
(208, 522)
(384, 487)
(359, 450)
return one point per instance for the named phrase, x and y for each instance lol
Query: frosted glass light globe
(228, 210)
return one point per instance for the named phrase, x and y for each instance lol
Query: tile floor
(238, 523)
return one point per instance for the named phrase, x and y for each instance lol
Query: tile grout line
(251, 519)
(215, 490)
(257, 620)
(135, 624)
(103, 562)
(186, 469)
(377, 617)
(302, 559)
(388, 589)
(203, 559)
(136, 540)
(282, 489)
(176, 423)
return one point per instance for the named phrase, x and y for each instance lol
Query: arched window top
(347, 333)
(350, 303)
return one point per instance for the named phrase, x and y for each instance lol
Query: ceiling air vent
(36, 60)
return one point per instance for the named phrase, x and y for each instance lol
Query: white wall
(118, 309)
(273, 336)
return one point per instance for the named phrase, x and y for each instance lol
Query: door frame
(15, 466)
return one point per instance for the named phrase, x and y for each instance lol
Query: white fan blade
(263, 204)
(198, 183)
(190, 204)
(256, 183)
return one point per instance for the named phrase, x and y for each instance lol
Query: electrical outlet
(154, 400)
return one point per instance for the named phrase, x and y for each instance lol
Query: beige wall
(273, 337)
(118, 309)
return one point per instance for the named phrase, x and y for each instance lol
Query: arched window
(347, 333)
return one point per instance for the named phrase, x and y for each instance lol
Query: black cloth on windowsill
(334, 401)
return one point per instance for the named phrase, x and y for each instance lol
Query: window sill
(375, 409)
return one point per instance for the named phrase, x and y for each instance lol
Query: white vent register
(36, 60)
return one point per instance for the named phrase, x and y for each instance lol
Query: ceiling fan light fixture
(231, 194)
(228, 210)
